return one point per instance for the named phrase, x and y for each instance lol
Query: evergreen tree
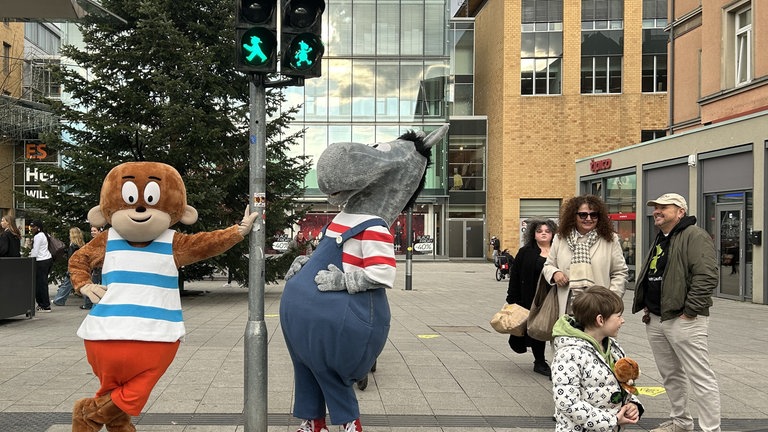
(163, 88)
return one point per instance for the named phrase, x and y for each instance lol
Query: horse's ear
(435, 136)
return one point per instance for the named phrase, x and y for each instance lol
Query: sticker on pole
(259, 199)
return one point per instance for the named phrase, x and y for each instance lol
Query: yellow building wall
(534, 141)
(11, 33)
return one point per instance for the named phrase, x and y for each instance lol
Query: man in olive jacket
(674, 290)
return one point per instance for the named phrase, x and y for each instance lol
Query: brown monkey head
(141, 200)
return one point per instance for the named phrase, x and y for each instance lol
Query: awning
(52, 10)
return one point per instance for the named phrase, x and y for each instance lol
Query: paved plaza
(443, 369)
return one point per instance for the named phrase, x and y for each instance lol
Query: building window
(652, 134)
(601, 74)
(602, 46)
(654, 73)
(743, 49)
(541, 53)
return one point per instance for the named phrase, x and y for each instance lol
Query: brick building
(560, 80)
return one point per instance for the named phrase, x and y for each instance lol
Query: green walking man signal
(301, 48)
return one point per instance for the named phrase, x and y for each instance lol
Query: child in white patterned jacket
(587, 394)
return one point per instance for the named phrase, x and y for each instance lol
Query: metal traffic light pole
(255, 388)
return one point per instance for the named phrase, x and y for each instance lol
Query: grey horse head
(381, 179)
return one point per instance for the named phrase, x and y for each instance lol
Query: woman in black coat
(523, 279)
(10, 238)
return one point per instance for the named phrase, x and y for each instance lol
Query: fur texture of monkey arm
(87, 258)
(191, 248)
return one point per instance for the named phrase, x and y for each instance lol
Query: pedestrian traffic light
(256, 36)
(301, 46)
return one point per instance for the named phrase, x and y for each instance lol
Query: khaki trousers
(682, 357)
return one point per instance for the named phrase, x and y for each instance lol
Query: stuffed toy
(627, 371)
(334, 311)
(133, 331)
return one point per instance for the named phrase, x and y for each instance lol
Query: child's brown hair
(594, 301)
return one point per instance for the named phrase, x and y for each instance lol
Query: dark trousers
(42, 269)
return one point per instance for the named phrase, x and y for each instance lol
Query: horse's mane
(418, 142)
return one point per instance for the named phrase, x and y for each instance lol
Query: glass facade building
(391, 66)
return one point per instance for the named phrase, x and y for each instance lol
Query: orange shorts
(129, 370)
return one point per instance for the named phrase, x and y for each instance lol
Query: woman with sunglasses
(585, 252)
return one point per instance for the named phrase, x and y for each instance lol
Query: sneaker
(85, 307)
(317, 425)
(42, 309)
(58, 303)
(354, 426)
(670, 426)
(542, 368)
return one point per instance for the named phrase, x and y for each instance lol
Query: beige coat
(608, 266)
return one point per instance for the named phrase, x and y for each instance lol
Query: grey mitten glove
(334, 279)
(296, 265)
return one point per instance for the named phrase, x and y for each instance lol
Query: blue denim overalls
(333, 337)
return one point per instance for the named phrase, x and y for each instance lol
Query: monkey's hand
(93, 291)
(245, 225)
(334, 279)
(296, 265)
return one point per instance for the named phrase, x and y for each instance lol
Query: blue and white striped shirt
(142, 300)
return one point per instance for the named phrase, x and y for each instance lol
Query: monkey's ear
(190, 215)
(96, 217)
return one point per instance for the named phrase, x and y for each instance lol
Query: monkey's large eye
(130, 193)
(152, 193)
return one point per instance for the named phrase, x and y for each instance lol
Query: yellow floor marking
(651, 391)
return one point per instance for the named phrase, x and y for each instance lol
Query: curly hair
(568, 216)
(533, 225)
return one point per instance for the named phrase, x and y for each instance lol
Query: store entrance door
(730, 250)
(465, 238)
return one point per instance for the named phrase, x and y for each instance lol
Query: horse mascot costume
(133, 331)
(334, 311)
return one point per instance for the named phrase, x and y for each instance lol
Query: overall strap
(357, 229)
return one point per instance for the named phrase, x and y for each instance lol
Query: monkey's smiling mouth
(142, 220)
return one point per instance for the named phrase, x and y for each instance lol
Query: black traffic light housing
(256, 36)
(301, 46)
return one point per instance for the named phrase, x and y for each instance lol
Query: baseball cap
(36, 223)
(669, 198)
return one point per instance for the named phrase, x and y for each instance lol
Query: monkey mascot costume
(133, 331)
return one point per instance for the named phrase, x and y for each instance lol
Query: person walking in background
(587, 394)
(301, 244)
(75, 242)
(674, 290)
(496, 246)
(523, 280)
(95, 274)
(10, 239)
(43, 264)
(585, 252)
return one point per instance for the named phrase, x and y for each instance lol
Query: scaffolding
(29, 116)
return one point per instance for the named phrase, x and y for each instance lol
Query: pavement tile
(443, 368)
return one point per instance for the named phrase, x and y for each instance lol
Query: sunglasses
(583, 215)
